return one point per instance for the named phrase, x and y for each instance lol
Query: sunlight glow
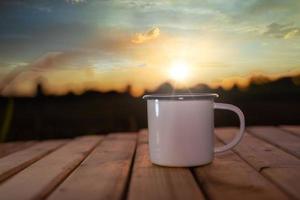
(179, 71)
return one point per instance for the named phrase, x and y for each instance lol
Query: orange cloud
(146, 36)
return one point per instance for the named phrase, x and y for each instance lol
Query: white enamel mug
(181, 129)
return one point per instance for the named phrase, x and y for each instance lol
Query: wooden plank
(279, 166)
(292, 129)
(39, 179)
(13, 163)
(284, 140)
(12, 147)
(257, 152)
(287, 179)
(104, 174)
(229, 177)
(152, 182)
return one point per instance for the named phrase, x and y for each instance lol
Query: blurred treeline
(43, 117)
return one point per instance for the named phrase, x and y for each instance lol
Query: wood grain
(152, 182)
(284, 140)
(19, 160)
(12, 147)
(277, 165)
(40, 178)
(229, 177)
(292, 129)
(104, 174)
(98, 167)
(287, 179)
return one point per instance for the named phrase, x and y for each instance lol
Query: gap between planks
(230, 177)
(280, 167)
(15, 162)
(12, 147)
(152, 182)
(279, 138)
(40, 178)
(292, 129)
(103, 174)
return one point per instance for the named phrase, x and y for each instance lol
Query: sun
(178, 70)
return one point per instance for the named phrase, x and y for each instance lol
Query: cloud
(143, 5)
(293, 33)
(49, 61)
(113, 42)
(41, 6)
(53, 60)
(263, 6)
(146, 36)
(75, 1)
(284, 31)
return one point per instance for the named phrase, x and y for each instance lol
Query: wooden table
(265, 165)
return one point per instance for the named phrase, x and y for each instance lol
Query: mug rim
(181, 96)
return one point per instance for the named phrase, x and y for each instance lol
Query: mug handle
(240, 133)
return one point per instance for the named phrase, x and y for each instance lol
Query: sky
(106, 45)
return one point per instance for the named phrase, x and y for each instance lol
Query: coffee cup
(181, 128)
